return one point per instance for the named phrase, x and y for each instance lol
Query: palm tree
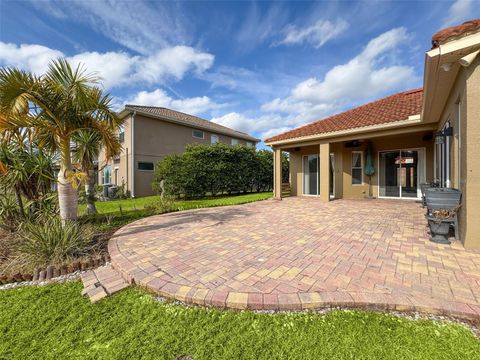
(85, 153)
(66, 101)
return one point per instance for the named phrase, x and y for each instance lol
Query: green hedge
(204, 170)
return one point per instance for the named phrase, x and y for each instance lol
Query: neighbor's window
(121, 134)
(357, 167)
(234, 141)
(249, 143)
(198, 134)
(107, 175)
(215, 139)
(146, 166)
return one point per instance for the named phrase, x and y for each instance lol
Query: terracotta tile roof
(453, 32)
(189, 120)
(387, 110)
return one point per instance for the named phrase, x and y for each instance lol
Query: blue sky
(259, 67)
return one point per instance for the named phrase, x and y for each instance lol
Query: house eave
(411, 121)
(440, 73)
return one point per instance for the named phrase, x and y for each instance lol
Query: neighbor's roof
(455, 32)
(387, 110)
(188, 120)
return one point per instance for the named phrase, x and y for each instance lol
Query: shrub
(214, 170)
(54, 242)
(9, 212)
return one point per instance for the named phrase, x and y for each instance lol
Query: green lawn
(114, 214)
(110, 207)
(55, 322)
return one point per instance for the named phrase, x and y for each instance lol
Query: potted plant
(439, 221)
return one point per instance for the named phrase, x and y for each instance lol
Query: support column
(277, 174)
(325, 172)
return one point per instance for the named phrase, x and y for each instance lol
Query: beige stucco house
(149, 134)
(423, 135)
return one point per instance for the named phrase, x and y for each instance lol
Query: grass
(116, 213)
(113, 207)
(55, 322)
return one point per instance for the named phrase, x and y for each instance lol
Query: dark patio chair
(443, 198)
(423, 188)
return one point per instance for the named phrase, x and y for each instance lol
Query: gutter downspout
(468, 59)
(133, 154)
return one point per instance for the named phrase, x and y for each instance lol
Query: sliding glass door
(401, 172)
(310, 175)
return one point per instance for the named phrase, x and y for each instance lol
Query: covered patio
(301, 253)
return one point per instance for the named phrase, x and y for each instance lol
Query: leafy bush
(54, 242)
(214, 170)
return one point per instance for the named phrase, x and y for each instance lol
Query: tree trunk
(67, 195)
(90, 192)
(18, 195)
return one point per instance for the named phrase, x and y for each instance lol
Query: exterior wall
(382, 144)
(154, 139)
(342, 163)
(463, 111)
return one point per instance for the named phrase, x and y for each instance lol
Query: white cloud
(141, 26)
(115, 68)
(174, 61)
(158, 97)
(262, 125)
(460, 11)
(374, 72)
(316, 34)
(30, 57)
(364, 76)
(259, 26)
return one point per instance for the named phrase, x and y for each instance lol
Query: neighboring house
(149, 134)
(429, 135)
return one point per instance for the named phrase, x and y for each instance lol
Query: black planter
(439, 231)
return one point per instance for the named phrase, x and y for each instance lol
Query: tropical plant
(65, 102)
(52, 241)
(85, 152)
(26, 171)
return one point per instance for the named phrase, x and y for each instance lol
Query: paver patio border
(287, 301)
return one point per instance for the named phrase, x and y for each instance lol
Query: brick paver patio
(300, 253)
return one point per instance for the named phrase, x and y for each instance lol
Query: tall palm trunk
(18, 196)
(67, 195)
(90, 192)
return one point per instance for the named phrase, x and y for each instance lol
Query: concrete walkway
(300, 253)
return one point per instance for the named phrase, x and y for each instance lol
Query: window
(357, 167)
(198, 134)
(249, 143)
(121, 134)
(310, 174)
(234, 141)
(145, 166)
(215, 139)
(107, 175)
